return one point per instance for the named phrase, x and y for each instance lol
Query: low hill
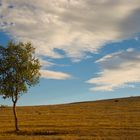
(115, 119)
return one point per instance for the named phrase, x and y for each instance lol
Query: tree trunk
(15, 116)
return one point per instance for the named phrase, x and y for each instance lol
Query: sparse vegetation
(100, 120)
(3, 106)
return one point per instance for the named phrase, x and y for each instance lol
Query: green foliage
(19, 69)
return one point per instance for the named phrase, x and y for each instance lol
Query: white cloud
(54, 75)
(130, 49)
(49, 74)
(118, 70)
(75, 26)
(46, 64)
(109, 56)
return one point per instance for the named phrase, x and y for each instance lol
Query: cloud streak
(118, 70)
(54, 75)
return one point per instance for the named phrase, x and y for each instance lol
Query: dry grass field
(116, 119)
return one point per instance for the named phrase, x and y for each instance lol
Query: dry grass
(117, 119)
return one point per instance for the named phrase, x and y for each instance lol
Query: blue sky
(87, 52)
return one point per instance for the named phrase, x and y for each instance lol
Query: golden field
(115, 119)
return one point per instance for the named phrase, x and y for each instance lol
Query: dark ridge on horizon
(106, 100)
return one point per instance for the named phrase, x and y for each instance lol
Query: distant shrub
(39, 113)
(3, 106)
(116, 100)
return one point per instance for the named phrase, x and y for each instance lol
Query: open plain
(114, 119)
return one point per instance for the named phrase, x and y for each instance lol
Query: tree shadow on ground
(37, 133)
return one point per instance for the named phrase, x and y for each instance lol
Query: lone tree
(19, 69)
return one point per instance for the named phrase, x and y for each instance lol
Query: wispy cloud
(54, 75)
(49, 74)
(75, 26)
(118, 70)
(45, 64)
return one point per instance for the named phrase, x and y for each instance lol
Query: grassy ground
(117, 119)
